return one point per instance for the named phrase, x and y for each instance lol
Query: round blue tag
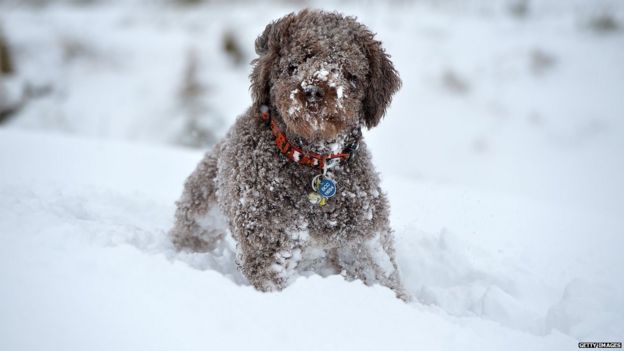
(327, 188)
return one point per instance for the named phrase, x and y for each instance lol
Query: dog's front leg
(373, 261)
(268, 259)
(199, 226)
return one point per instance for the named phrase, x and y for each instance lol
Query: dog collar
(298, 155)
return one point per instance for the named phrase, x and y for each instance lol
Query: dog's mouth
(313, 107)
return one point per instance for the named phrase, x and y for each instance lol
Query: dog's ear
(268, 46)
(383, 82)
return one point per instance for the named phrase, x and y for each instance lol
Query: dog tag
(327, 188)
(324, 188)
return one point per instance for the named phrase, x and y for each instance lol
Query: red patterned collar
(298, 155)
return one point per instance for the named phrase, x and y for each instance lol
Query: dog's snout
(313, 93)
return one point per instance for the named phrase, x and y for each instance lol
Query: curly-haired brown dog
(319, 78)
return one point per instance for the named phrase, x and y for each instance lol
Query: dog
(293, 178)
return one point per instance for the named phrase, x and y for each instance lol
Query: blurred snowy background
(503, 156)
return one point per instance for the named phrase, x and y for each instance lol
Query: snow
(322, 73)
(86, 266)
(84, 250)
(501, 157)
(339, 94)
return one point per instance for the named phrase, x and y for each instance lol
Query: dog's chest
(261, 190)
(349, 213)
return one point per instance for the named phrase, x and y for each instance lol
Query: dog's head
(325, 73)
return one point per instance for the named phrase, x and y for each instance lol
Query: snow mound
(86, 264)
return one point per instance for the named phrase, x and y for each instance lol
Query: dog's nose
(313, 93)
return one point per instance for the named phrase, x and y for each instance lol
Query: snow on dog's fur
(324, 77)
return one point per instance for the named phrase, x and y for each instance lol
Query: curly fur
(324, 77)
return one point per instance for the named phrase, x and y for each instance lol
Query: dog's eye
(353, 80)
(292, 67)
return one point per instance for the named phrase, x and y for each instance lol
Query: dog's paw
(285, 263)
(268, 286)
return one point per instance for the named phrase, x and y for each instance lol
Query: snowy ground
(506, 193)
